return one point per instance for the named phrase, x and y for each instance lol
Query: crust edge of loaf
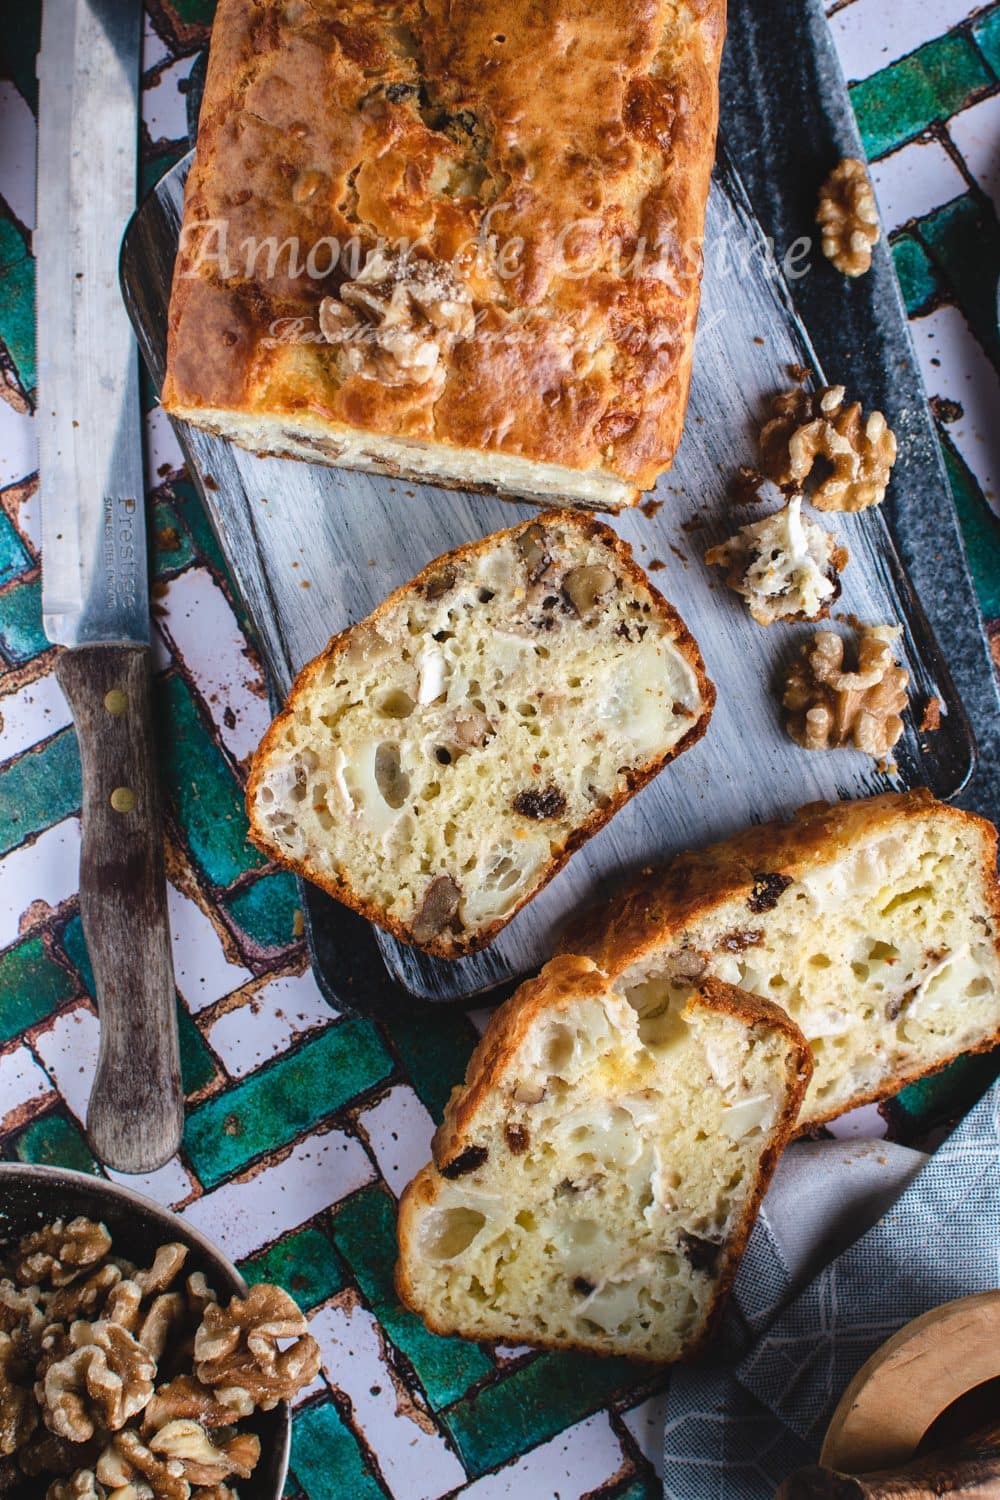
(560, 983)
(443, 946)
(705, 879)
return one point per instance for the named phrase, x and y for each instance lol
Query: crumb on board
(650, 507)
(931, 718)
(745, 486)
(655, 565)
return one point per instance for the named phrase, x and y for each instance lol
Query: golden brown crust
(565, 981)
(448, 945)
(660, 904)
(585, 132)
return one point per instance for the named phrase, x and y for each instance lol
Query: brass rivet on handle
(116, 702)
(123, 799)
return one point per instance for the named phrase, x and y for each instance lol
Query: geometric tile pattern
(303, 1125)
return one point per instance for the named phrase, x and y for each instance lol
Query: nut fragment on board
(786, 566)
(830, 706)
(848, 218)
(856, 452)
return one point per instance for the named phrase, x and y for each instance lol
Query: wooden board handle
(136, 1112)
(972, 1469)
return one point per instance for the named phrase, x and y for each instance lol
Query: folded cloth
(806, 1312)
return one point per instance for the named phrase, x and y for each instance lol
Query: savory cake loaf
(874, 924)
(437, 764)
(596, 1177)
(449, 241)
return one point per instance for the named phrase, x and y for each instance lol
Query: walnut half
(847, 217)
(830, 707)
(858, 451)
(239, 1346)
(394, 321)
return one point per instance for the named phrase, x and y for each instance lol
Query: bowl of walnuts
(134, 1359)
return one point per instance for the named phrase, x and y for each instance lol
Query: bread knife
(95, 598)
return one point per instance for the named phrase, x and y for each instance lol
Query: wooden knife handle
(971, 1468)
(136, 1111)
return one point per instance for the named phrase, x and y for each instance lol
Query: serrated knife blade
(95, 599)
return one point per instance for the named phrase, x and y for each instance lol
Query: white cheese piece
(432, 675)
(755, 1113)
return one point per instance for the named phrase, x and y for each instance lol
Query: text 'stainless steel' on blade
(94, 584)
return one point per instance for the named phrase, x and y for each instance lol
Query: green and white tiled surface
(303, 1126)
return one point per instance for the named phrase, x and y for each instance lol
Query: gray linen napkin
(806, 1312)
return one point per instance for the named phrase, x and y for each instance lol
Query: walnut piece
(785, 566)
(206, 1460)
(394, 321)
(105, 1380)
(830, 707)
(847, 217)
(859, 451)
(168, 1263)
(20, 1308)
(128, 1465)
(186, 1397)
(83, 1485)
(237, 1346)
(18, 1412)
(82, 1298)
(59, 1252)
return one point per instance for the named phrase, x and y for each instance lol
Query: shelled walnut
(18, 1411)
(830, 707)
(99, 1399)
(785, 566)
(858, 451)
(83, 1485)
(128, 1465)
(105, 1379)
(59, 1252)
(848, 218)
(186, 1397)
(397, 317)
(238, 1347)
(204, 1459)
(20, 1307)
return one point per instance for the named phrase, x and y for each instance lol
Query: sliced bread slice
(596, 1177)
(875, 924)
(441, 760)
